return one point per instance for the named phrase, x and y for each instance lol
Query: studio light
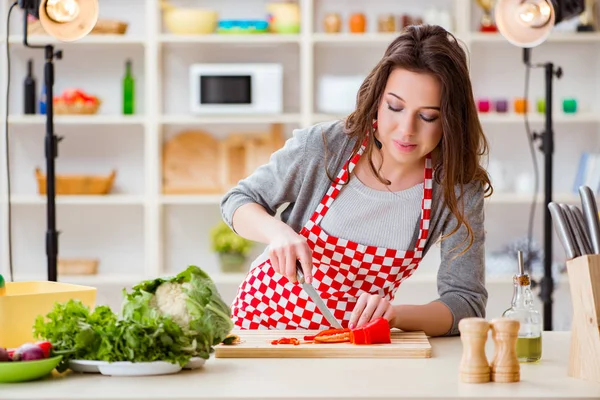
(527, 24)
(67, 21)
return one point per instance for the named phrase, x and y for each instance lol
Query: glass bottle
(128, 90)
(529, 340)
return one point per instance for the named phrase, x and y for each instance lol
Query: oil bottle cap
(1, 281)
(521, 279)
(521, 266)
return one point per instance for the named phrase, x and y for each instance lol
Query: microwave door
(225, 89)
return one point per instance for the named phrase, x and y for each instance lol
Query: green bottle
(128, 90)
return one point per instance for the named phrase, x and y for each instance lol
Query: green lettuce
(78, 334)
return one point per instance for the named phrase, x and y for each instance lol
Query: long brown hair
(433, 50)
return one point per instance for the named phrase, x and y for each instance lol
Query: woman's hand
(369, 307)
(285, 248)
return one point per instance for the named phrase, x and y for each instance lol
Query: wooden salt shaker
(474, 366)
(505, 366)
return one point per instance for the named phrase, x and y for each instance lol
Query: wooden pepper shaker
(474, 366)
(505, 366)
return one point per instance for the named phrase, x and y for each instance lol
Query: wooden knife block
(584, 283)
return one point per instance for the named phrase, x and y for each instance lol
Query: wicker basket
(103, 27)
(78, 184)
(82, 108)
(78, 266)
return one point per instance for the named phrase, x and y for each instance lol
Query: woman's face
(408, 120)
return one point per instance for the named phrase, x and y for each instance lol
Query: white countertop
(432, 378)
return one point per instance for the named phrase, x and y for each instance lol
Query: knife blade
(562, 230)
(590, 211)
(316, 298)
(580, 222)
(575, 232)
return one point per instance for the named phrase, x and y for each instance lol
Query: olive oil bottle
(529, 340)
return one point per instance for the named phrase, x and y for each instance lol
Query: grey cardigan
(295, 175)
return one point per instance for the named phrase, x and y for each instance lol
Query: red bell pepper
(333, 336)
(375, 332)
(285, 340)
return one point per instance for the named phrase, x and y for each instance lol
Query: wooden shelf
(230, 119)
(190, 199)
(264, 38)
(555, 37)
(97, 119)
(527, 198)
(86, 280)
(111, 40)
(557, 117)
(91, 200)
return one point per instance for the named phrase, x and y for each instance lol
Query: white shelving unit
(137, 232)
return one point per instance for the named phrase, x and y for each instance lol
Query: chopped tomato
(376, 331)
(285, 340)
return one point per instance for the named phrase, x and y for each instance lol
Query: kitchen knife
(590, 211)
(312, 293)
(582, 228)
(576, 234)
(562, 230)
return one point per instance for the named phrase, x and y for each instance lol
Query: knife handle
(299, 272)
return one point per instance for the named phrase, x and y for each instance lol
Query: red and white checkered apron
(342, 271)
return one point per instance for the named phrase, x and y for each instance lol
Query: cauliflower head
(191, 300)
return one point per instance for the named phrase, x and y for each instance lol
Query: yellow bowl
(24, 301)
(190, 21)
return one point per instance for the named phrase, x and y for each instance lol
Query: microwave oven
(236, 88)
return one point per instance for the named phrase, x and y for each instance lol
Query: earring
(374, 124)
(377, 143)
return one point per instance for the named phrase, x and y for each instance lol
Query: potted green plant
(232, 248)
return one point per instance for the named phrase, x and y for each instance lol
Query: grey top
(295, 175)
(362, 215)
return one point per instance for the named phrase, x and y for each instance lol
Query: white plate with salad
(126, 368)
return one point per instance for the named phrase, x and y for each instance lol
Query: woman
(369, 197)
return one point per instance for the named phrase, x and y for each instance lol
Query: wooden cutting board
(257, 344)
